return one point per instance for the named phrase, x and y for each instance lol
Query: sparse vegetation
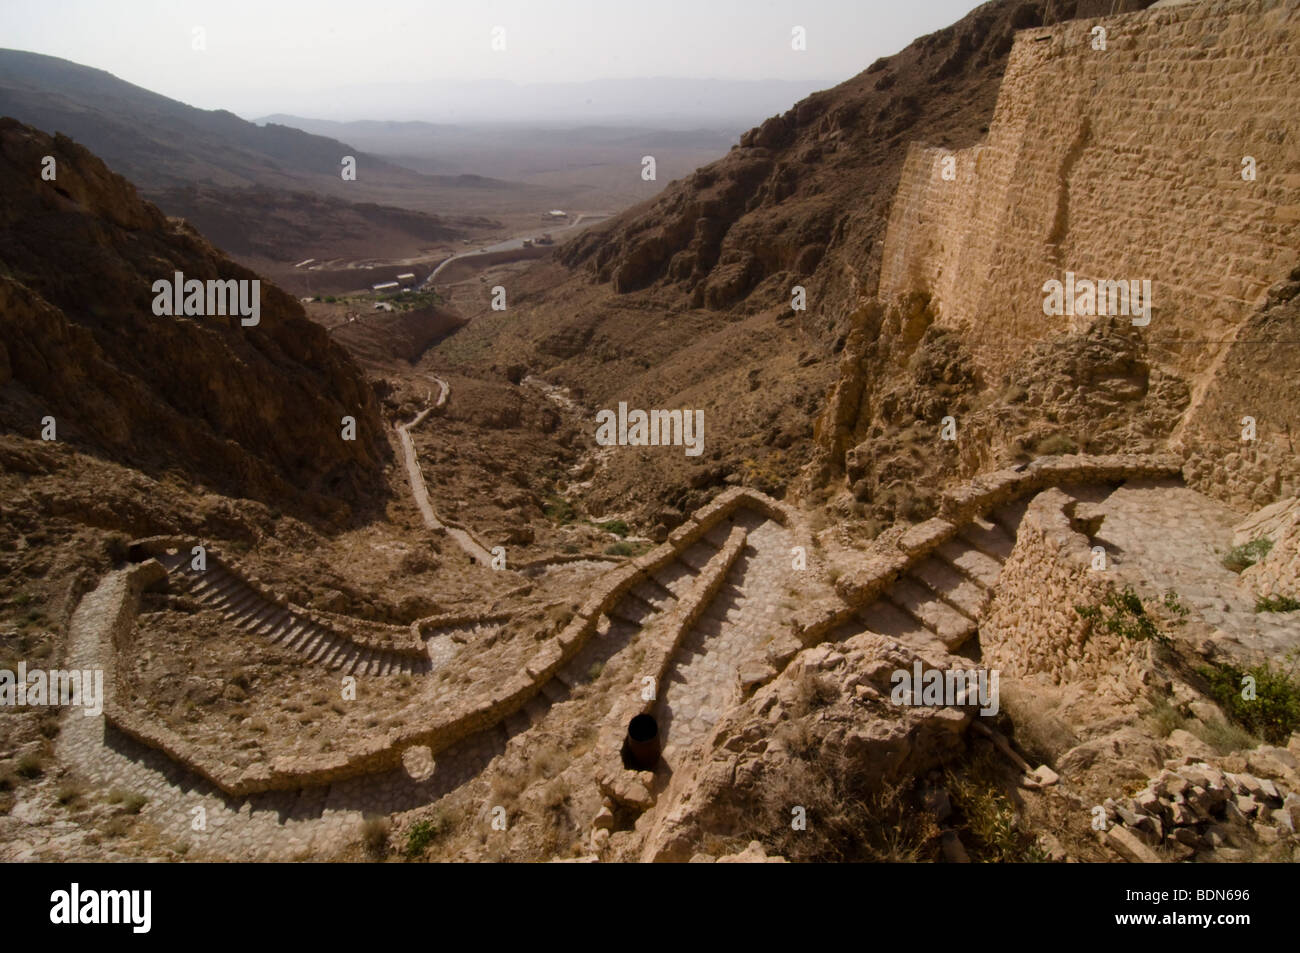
(559, 509)
(1164, 717)
(1121, 613)
(1224, 736)
(1240, 558)
(850, 815)
(813, 691)
(1277, 604)
(987, 813)
(1263, 699)
(425, 832)
(1056, 445)
(626, 548)
(374, 835)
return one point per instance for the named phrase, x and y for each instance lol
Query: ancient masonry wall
(1032, 626)
(1117, 164)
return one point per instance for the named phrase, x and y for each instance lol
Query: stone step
(328, 646)
(952, 627)
(634, 612)
(698, 555)
(633, 599)
(310, 632)
(979, 566)
(207, 584)
(952, 586)
(1008, 515)
(244, 607)
(717, 537)
(207, 596)
(654, 592)
(336, 650)
(884, 618)
(676, 577)
(988, 538)
(312, 644)
(265, 619)
(289, 631)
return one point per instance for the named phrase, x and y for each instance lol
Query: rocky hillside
(159, 142)
(803, 198)
(248, 411)
(294, 225)
(685, 301)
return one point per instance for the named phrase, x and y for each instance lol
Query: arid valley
(899, 466)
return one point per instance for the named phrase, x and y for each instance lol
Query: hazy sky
(261, 54)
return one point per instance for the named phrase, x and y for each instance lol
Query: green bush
(1241, 558)
(617, 527)
(1277, 604)
(559, 509)
(626, 549)
(1273, 713)
(425, 832)
(1121, 613)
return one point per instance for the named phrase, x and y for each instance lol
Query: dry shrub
(850, 815)
(1038, 730)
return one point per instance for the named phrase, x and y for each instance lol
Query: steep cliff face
(804, 197)
(249, 411)
(686, 301)
(1097, 165)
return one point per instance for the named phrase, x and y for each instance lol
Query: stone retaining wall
(463, 715)
(1032, 626)
(891, 556)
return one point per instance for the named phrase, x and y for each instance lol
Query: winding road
(421, 492)
(510, 244)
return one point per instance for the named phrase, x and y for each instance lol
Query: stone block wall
(1117, 164)
(1032, 628)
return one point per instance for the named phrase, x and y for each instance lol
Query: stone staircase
(648, 599)
(938, 602)
(244, 606)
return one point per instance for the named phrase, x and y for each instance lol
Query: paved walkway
(702, 682)
(1173, 537)
(292, 825)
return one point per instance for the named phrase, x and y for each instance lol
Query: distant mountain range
(653, 101)
(158, 142)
